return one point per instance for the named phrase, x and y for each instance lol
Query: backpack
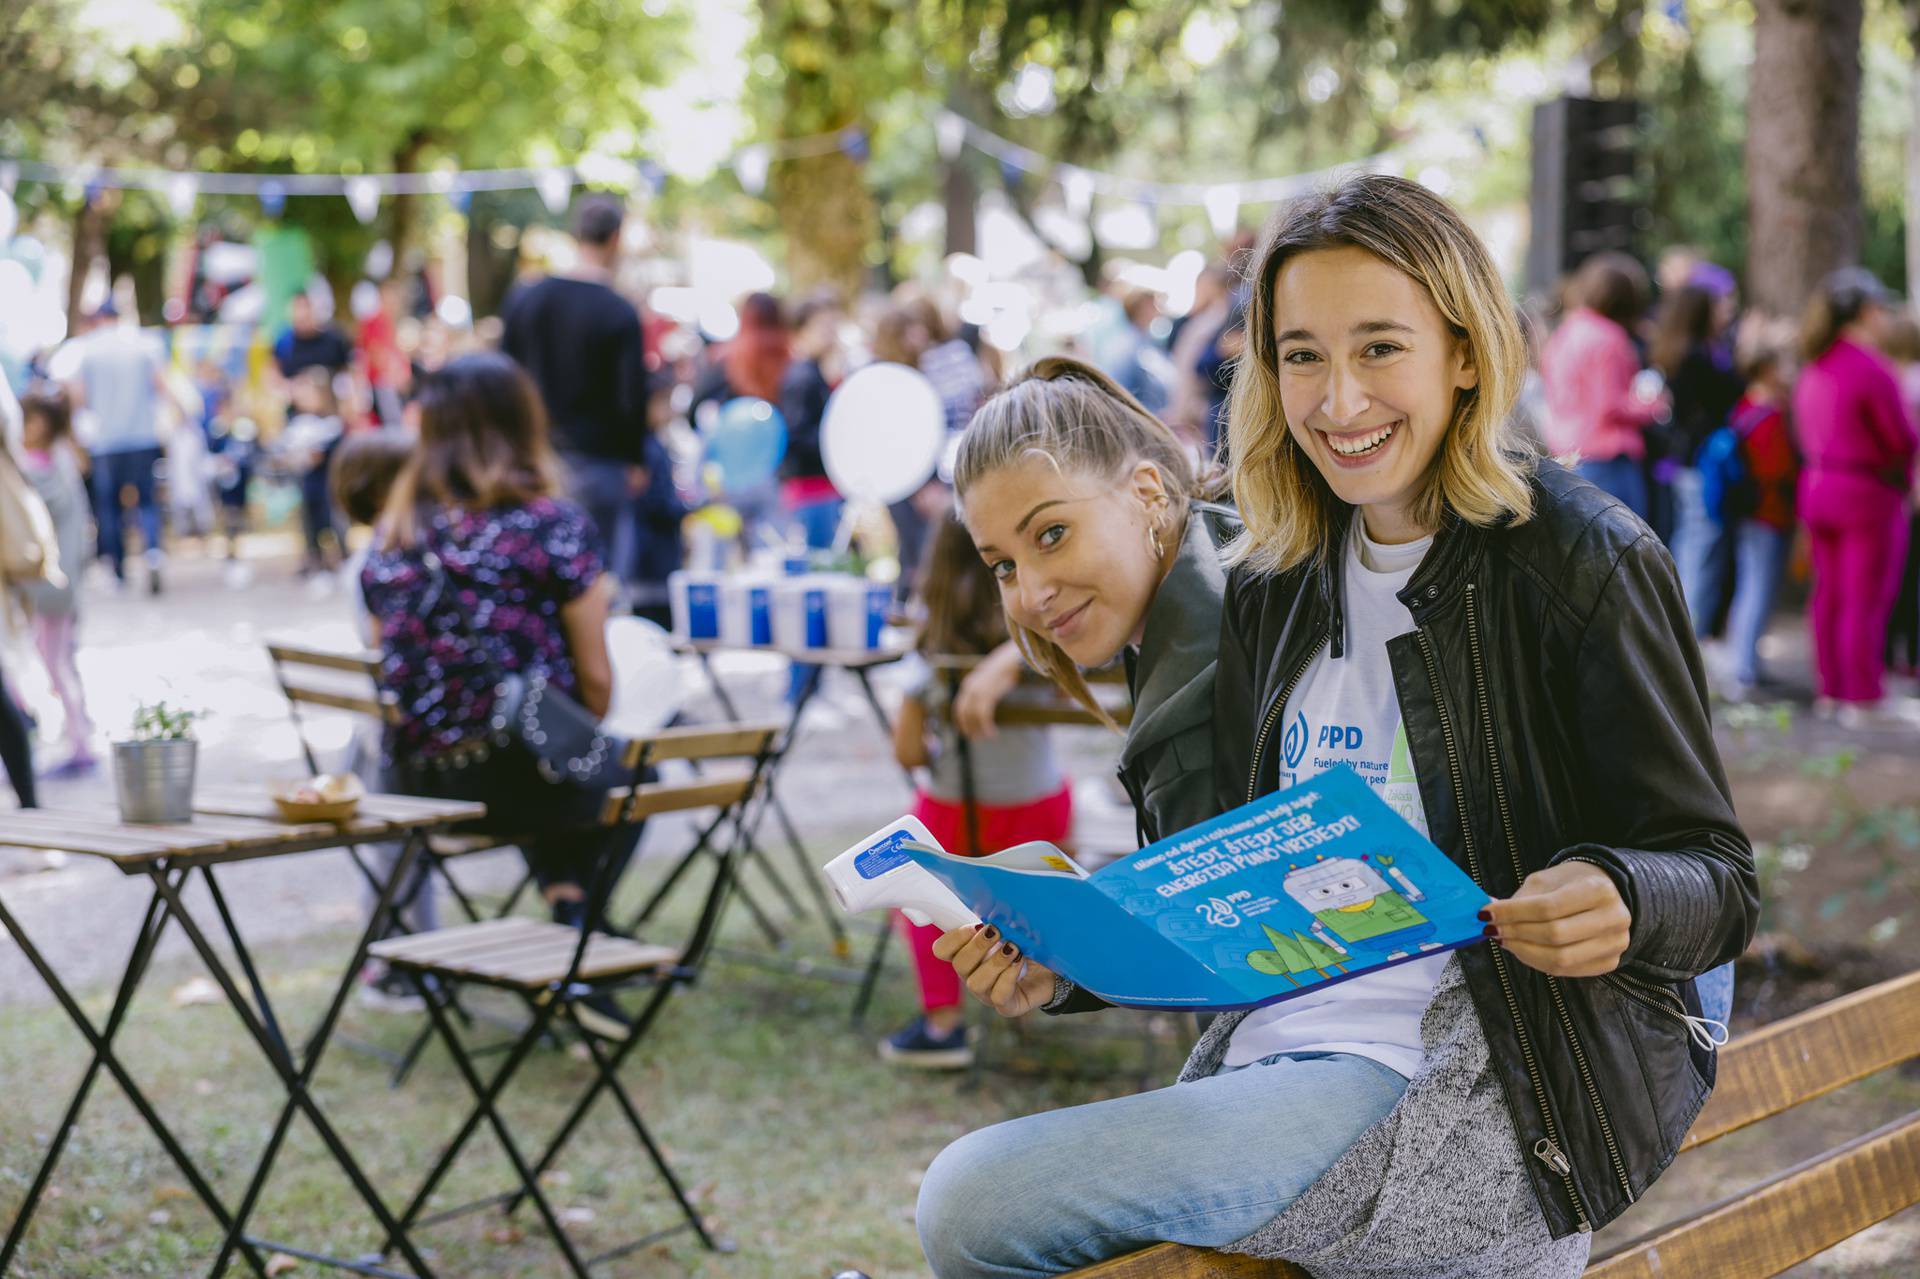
(1727, 489)
(29, 551)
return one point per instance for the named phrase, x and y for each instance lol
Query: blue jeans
(599, 485)
(113, 474)
(1715, 988)
(1760, 552)
(1202, 1163)
(1702, 551)
(1623, 477)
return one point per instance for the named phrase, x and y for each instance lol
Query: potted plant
(153, 770)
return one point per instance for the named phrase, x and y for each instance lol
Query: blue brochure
(1300, 889)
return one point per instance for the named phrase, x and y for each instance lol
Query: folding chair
(350, 681)
(553, 968)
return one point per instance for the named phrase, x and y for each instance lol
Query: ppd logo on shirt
(1293, 746)
(1340, 737)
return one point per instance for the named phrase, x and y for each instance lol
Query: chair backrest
(342, 681)
(730, 794)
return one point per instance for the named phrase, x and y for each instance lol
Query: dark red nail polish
(1007, 950)
(1490, 931)
(992, 933)
(1484, 915)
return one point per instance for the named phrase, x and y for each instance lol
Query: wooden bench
(1768, 1228)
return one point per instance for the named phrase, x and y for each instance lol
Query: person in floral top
(480, 569)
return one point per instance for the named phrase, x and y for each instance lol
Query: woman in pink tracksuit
(1859, 445)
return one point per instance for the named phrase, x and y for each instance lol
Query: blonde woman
(1507, 653)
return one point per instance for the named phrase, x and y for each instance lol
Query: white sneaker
(1857, 716)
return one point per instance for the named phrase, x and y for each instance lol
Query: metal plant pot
(154, 779)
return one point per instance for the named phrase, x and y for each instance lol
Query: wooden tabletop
(230, 823)
(847, 658)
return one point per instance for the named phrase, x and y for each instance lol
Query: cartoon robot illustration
(1354, 908)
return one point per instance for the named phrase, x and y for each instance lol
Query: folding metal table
(230, 824)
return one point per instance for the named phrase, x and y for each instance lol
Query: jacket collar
(1173, 672)
(1448, 563)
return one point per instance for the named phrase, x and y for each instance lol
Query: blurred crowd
(1761, 449)
(1765, 451)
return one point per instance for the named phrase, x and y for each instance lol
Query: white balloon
(647, 688)
(883, 433)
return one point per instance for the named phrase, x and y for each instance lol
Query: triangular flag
(1077, 184)
(750, 166)
(363, 197)
(273, 198)
(182, 190)
(1223, 209)
(555, 187)
(950, 134)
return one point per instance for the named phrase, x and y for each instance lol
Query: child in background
(1019, 790)
(1763, 537)
(51, 461)
(361, 475)
(658, 511)
(313, 431)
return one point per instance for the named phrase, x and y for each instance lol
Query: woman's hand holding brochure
(993, 969)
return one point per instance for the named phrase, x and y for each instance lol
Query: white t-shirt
(1345, 711)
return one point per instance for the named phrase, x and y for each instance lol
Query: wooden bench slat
(364, 662)
(518, 951)
(1801, 1212)
(1177, 1261)
(663, 797)
(1019, 714)
(468, 845)
(1810, 1054)
(373, 707)
(703, 741)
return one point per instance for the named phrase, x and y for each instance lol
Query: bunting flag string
(364, 192)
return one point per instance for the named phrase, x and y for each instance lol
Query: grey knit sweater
(1436, 1190)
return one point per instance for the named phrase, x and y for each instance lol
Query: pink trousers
(1858, 531)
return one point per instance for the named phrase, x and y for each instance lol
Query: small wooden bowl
(326, 810)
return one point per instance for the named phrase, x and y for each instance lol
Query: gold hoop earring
(1153, 541)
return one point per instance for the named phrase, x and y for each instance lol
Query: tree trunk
(89, 242)
(960, 195)
(401, 207)
(1803, 148)
(829, 220)
(1913, 152)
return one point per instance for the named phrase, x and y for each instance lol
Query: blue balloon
(747, 441)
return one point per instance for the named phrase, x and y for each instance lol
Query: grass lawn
(801, 1145)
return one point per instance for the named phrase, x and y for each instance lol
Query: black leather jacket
(1555, 707)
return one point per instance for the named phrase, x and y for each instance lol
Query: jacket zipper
(1547, 1150)
(1513, 852)
(1658, 998)
(1279, 709)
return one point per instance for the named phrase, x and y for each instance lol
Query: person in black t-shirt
(581, 342)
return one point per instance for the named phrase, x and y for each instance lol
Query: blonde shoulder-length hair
(1480, 473)
(1083, 423)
